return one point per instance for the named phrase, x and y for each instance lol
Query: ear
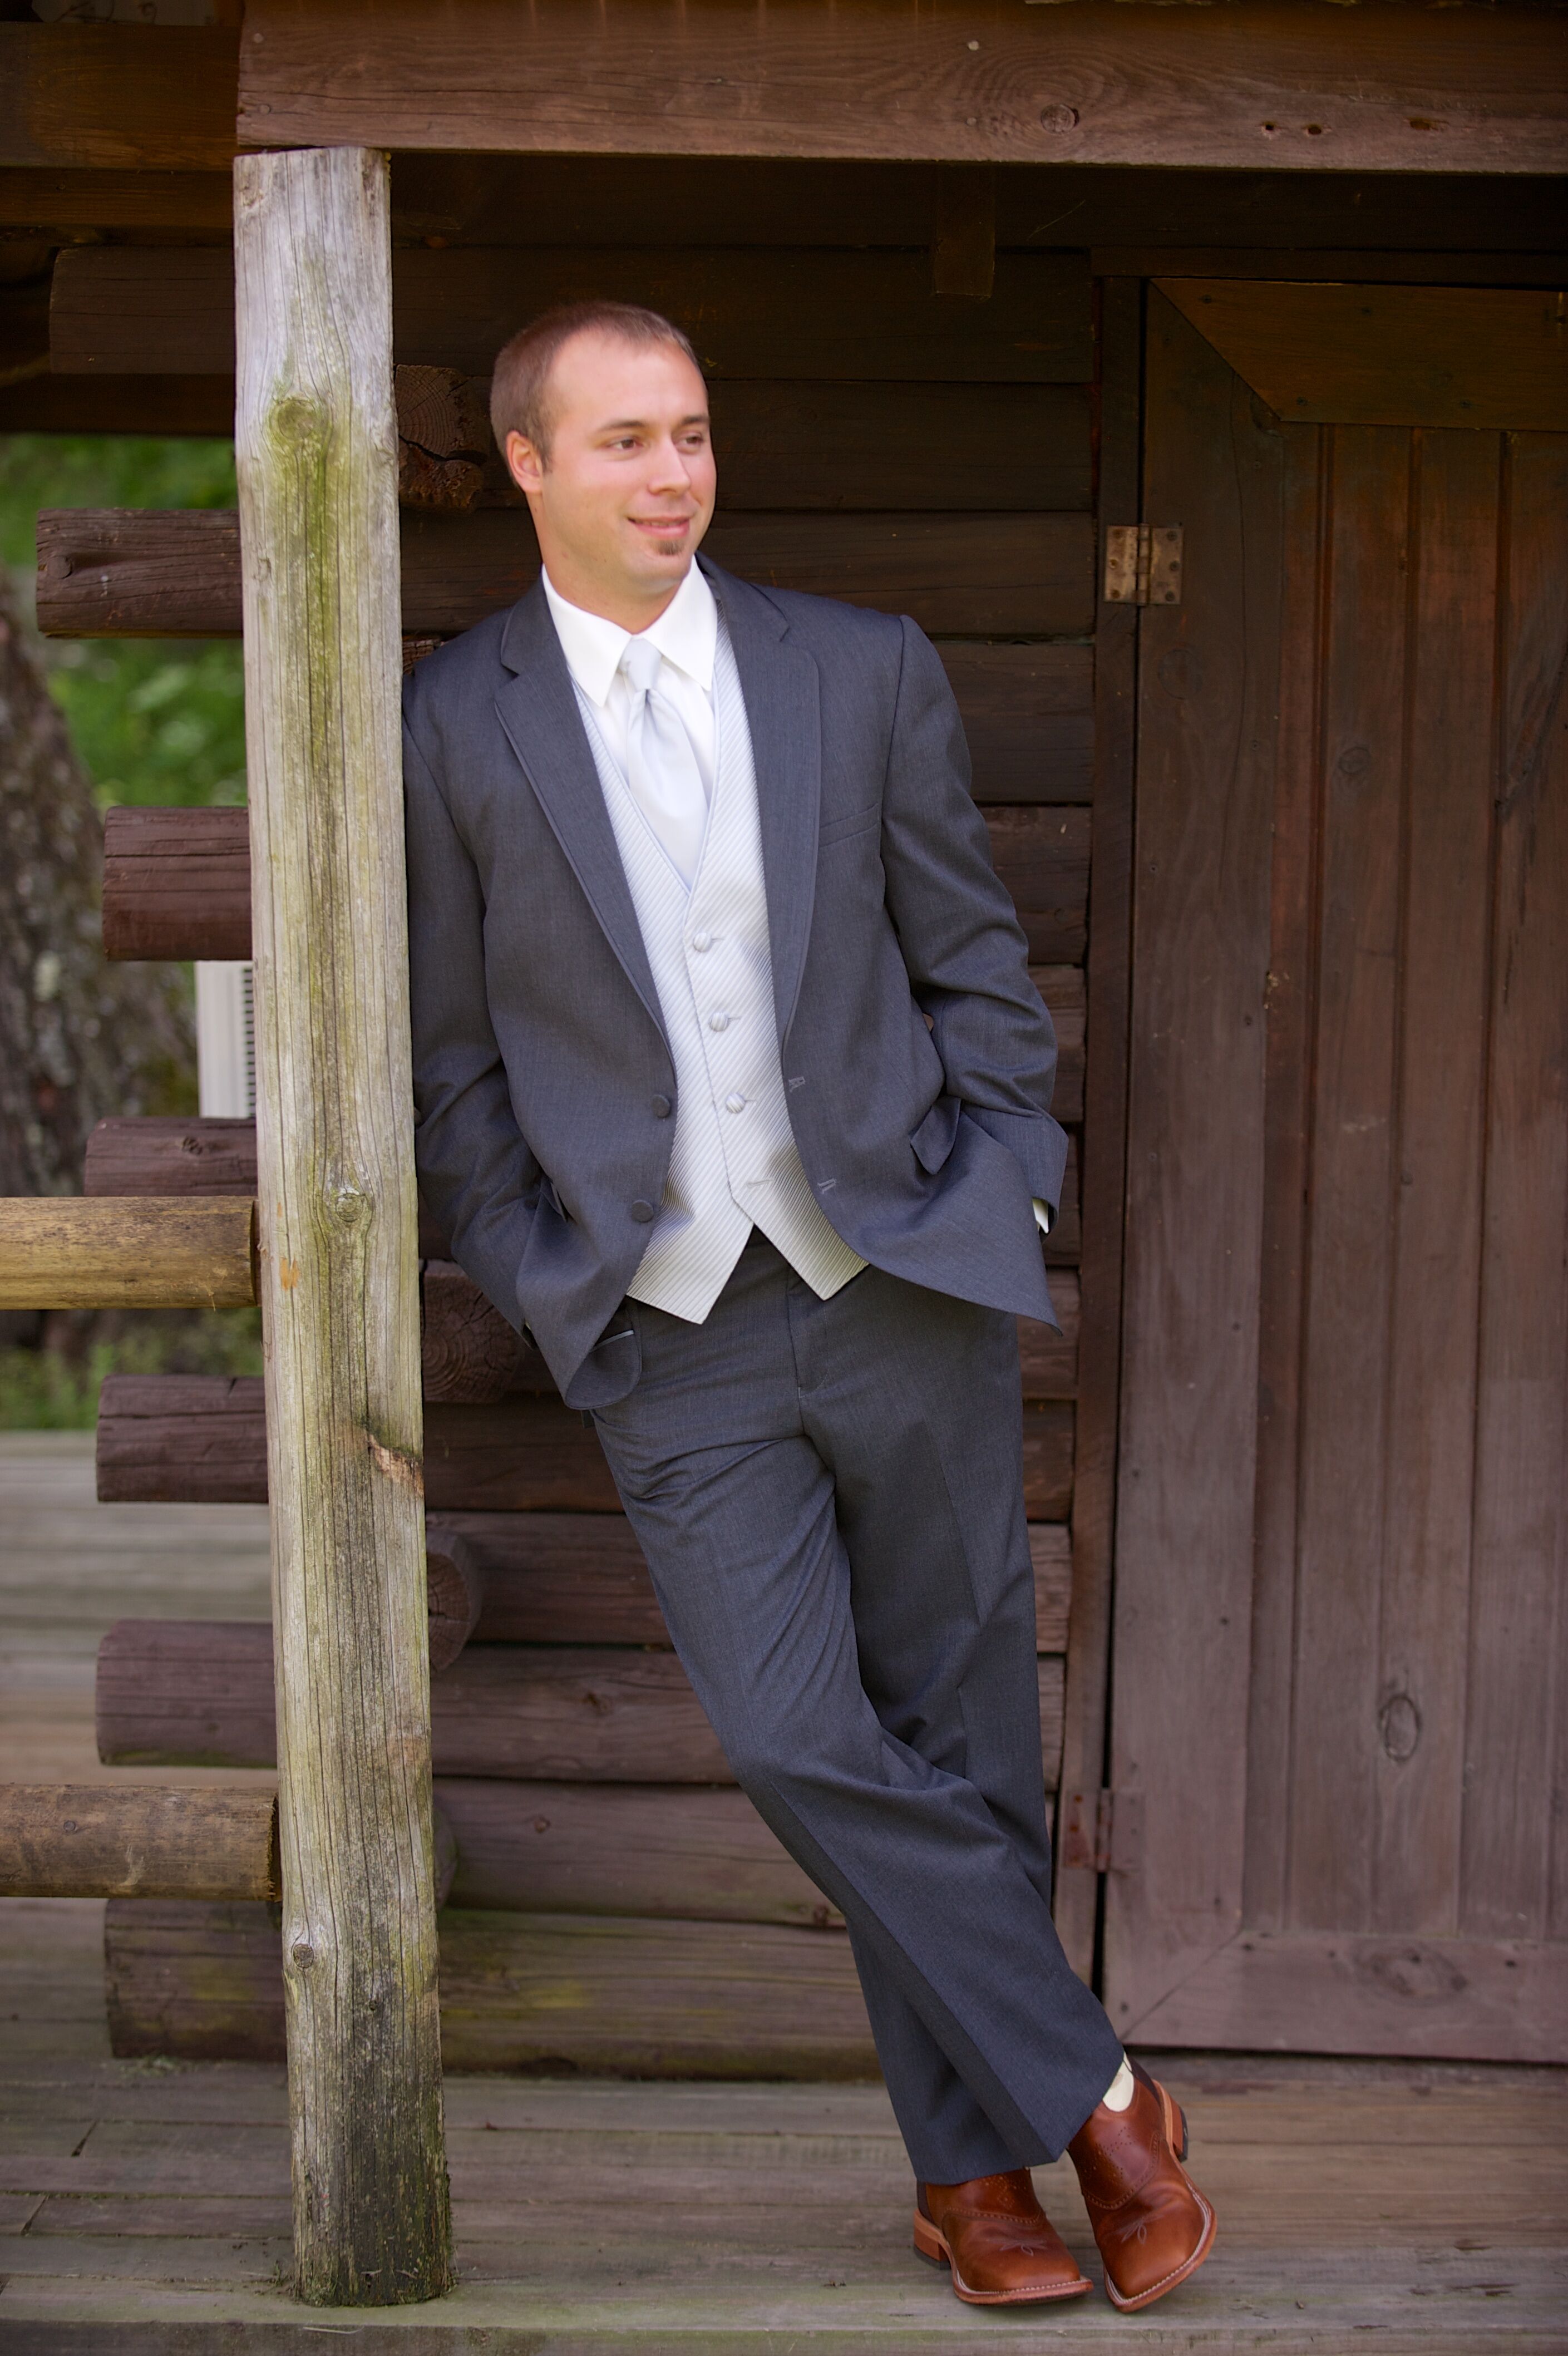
(524, 462)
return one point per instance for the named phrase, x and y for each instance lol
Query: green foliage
(153, 720)
(54, 1389)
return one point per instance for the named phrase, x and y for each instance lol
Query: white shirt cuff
(1042, 1215)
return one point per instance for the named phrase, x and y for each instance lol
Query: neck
(630, 608)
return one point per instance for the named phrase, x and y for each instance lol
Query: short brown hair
(521, 379)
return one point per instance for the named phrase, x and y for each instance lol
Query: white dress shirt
(686, 635)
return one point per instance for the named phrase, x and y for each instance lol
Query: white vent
(225, 1042)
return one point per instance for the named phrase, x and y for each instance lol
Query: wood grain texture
(802, 314)
(316, 454)
(202, 1438)
(177, 882)
(1104, 1142)
(175, 879)
(518, 1992)
(1208, 683)
(678, 1852)
(146, 1252)
(104, 97)
(200, 1693)
(81, 197)
(964, 81)
(1028, 717)
(121, 572)
(89, 1840)
(1515, 1845)
(1399, 356)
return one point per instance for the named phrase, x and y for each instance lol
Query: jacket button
(661, 1108)
(642, 1213)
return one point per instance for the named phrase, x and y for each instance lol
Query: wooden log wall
(919, 453)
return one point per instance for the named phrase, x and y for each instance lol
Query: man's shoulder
(827, 622)
(460, 670)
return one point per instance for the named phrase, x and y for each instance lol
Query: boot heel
(928, 2242)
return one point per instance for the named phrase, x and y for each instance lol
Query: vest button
(702, 940)
(662, 1107)
(718, 1022)
(642, 1212)
(735, 1104)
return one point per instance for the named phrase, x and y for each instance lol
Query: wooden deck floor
(145, 2207)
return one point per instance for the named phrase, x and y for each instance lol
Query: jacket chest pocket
(854, 821)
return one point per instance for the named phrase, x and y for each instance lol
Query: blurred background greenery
(152, 721)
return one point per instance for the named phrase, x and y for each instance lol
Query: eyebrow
(621, 425)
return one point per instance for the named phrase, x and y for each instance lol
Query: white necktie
(660, 765)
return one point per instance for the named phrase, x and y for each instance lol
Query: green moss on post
(315, 444)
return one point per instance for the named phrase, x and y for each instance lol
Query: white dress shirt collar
(685, 634)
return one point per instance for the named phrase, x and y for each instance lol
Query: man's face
(627, 489)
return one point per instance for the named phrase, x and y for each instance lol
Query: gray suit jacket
(543, 1078)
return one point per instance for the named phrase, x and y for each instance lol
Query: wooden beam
(532, 1992)
(164, 405)
(1271, 85)
(1348, 265)
(777, 312)
(1423, 355)
(198, 1693)
(118, 96)
(176, 882)
(128, 573)
(97, 1840)
(202, 1438)
(1087, 1701)
(73, 199)
(148, 1252)
(315, 451)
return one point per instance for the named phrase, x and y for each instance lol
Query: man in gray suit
(733, 1090)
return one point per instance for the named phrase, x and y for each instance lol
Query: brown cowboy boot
(1153, 2225)
(999, 2243)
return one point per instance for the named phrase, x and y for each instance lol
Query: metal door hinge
(1103, 1832)
(1142, 565)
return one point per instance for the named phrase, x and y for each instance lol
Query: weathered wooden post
(316, 446)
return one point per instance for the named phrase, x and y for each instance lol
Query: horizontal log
(560, 1579)
(162, 405)
(177, 883)
(107, 97)
(174, 573)
(760, 314)
(1375, 90)
(453, 1591)
(99, 1840)
(681, 1851)
(200, 1693)
(168, 1153)
(610, 1994)
(138, 1252)
(60, 197)
(201, 1439)
(469, 1353)
(1028, 715)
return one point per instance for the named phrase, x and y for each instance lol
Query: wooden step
(532, 1992)
(198, 1693)
(201, 1439)
(129, 572)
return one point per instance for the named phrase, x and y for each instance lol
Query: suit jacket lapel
(538, 709)
(783, 707)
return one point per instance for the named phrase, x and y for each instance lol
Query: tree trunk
(79, 1038)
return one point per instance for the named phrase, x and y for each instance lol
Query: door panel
(1338, 1654)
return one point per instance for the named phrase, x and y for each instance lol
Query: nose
(669, 471)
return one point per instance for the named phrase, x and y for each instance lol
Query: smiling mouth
(663, 526)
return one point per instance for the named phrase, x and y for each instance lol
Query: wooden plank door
(1337, 1754)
